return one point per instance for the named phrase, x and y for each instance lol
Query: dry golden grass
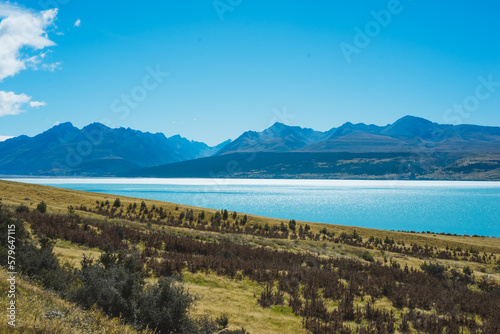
(236, 298)
(34, 307)
(73, 254)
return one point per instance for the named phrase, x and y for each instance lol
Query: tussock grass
(217, 295)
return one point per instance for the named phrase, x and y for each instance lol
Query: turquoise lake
(460, 207)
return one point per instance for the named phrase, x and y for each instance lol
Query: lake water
(460, 207)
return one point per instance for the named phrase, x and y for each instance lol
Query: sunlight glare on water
(462, 207)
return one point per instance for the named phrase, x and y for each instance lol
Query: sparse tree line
(223, 221)
(430, 300)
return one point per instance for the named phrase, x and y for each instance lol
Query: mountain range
(408, 134)
(411, 147)
(94, 150)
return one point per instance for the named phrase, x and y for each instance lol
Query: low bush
(22, 209)
(434, 269)
(41, 207)
(467, 270)
(367, 256)
(41, 265)
(164, 306)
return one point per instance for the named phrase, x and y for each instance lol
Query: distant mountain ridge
(94, 150)
(277, 138)
(97, 150)
(405, 135)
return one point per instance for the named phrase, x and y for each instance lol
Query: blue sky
(242, 65)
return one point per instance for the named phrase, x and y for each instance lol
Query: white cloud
(51, 67)
(37, 104)
(22, 30)
(77, 23)
(23, 33)
(13, 104)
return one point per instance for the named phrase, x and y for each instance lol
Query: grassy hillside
(42, 311)
(248, 267)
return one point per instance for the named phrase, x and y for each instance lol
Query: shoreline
(260, 217)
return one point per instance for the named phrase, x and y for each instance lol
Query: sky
(210, 70)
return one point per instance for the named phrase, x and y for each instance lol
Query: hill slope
(334, 165)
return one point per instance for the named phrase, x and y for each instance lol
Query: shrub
(47, 243)
(22, 209)
(205, 325)
(388, 241)
(71, 212)
(41, 207)
(42, 265)
(164, 307)
(434, 269)
(117, 203)
(116, 284)
(467, 270)
(6, 224)
(115, 289)
(223, 320)
(367, 256)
